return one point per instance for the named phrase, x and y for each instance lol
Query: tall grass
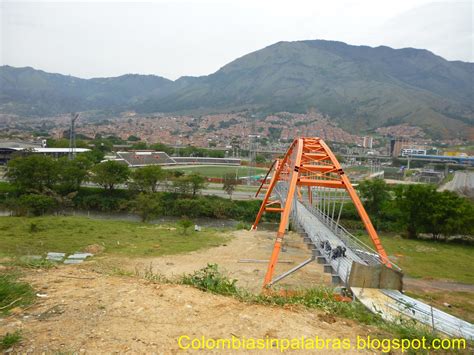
(10, 339)
(14, 293)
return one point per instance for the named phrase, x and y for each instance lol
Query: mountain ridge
(360, 87)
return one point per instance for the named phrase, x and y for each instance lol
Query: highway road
(462, 181)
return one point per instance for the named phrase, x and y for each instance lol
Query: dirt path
(88, 312)
(412, 284)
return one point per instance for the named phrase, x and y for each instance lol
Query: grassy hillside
(430, 260)
(37, 236)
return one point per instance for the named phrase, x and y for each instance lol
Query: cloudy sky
(172, 38)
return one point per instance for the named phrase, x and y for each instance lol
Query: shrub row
(171, 204)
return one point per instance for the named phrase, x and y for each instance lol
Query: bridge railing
(350, 241)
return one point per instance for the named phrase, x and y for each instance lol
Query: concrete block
(328, 269)
(321, 260)
(335, 279)
(315, 252)
(375, 276)
(52, 256)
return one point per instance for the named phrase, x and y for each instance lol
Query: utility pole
(72, 136)
(253, 147)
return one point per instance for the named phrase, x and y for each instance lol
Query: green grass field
(220, 171)
(37, 236)
(357, 169)
(431, 260)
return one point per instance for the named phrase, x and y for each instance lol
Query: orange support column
(285, 215)
(360, 208)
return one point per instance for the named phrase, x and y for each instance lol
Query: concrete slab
(80, 255)
(54, 256)
(73, 261)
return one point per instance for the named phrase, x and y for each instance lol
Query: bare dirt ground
(95, 313)
(412, 284)
(244, 245)
(86, 310)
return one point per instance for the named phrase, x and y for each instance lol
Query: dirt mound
(95, 313)
(94, 249)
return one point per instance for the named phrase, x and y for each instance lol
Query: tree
(139, 146)
(185, 224)
(375, 194)
(72, 173)
(450, 214)
(95, 156)
(162, 148)
(182, 185)
(229, 184)
(109, 174)
(260, 159)
(133, 138)
(33, 172)
(197, 182)
(424, 210)
(415, 203)
(102, 144)
(147, 206)
(147, 179)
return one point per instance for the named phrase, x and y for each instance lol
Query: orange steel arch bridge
(309, 164)
(309, 186)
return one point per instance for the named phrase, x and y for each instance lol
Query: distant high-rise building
(396, 146)
(368, 142)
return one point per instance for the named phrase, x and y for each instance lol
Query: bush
(34, 204)
(188, 207)
(147, 206)
(185, 224)
(211, 279)
(243, 225)
(34, 228)
(95, 199)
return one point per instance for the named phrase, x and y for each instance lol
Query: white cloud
(186, 37)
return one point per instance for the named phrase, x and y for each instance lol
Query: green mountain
(359, 87)
(30, 92)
